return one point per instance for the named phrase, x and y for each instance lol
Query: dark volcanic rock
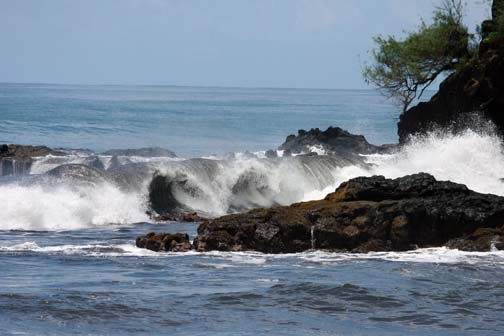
(143, 152)
(363, 214)
(483, 239)
(476, 88)
(176, 242)
(334, 141)
(17, 159)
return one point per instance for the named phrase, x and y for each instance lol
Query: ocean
(68, 261)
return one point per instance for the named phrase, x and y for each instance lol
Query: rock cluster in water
(333, 141)
(17, 159)
(364, 214)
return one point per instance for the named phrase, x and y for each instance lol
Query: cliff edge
(477, 88)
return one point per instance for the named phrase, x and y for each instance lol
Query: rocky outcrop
(364, 214)
(177, 242)
(332, 141)
(142, 152)
(17, 159)
(477, 88)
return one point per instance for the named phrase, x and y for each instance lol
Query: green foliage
(496, 36)
(403, 69)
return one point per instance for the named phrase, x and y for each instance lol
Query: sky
(253, 43)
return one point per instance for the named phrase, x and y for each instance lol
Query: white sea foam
(45, 163)
(319, 149)
(441, 255)
(53, 208)
(472, 158)
(244, 182)
(221, 260)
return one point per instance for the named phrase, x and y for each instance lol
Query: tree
(403, 69)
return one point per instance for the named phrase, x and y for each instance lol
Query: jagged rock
(177, 242)
(363, 214)
(333, 141)
(143, 152)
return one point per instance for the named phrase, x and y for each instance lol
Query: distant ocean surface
(191, 121)
(68, 260)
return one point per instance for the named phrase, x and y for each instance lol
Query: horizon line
(194, 86)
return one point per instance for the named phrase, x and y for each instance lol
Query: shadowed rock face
(364, 214)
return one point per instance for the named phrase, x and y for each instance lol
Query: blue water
(94, 282)
(81, 275)
(191, 121)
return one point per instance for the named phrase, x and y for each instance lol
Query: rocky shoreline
(470, 97)
(364, 214)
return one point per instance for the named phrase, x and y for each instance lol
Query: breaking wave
(219, 186)
(472, 158)
(47, 208)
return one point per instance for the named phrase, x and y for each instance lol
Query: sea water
(68, 261)
(191, 121)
